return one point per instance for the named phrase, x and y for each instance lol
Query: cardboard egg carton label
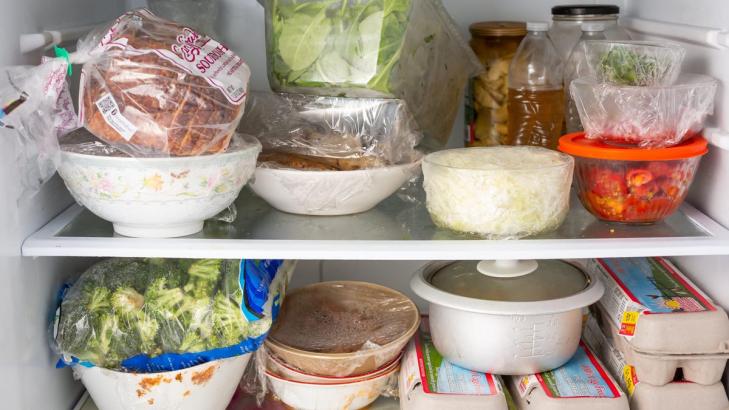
(582, 377)
(640, 286)
(428, 381)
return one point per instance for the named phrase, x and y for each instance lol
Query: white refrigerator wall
(28, 379)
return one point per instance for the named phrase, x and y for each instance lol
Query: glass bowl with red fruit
(630, 185)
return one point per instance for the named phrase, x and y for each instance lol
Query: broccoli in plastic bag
(150, 315)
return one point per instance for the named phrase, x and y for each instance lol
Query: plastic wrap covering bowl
(658, 116)
(375, 48)
(330, 192)
(333, 132)
(157, 197)
(153, 87)
(351, 395)
(341, 329)
(207, 386)
(498, 192)
(639, 63)
(627, 185)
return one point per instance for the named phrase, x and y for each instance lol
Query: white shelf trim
(705, 36)
(45, 242)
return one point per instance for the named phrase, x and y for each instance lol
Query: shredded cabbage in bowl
(498, 192)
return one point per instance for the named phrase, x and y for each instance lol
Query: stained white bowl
(159, 197)
(207, 386)
(330, 192)
(343, 396)
(280, 368)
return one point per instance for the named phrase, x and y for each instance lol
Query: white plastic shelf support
(395, 230)
(705, 36)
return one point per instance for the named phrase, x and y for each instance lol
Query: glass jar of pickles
(487, 117)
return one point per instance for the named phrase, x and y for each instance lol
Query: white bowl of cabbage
(498, 192)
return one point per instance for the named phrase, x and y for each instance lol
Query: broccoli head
(229, 325)
(161, 300)
(203, 278)
(126, 301)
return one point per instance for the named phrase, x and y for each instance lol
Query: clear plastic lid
(511, 281)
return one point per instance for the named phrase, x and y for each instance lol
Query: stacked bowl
(338, 345)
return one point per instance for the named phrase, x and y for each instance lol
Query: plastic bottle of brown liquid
(536, 95)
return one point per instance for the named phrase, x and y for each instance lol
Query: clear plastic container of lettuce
(633, 63)
(372, 48)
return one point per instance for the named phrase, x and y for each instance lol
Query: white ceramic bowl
(330, 192)
(158, 197)
(280, 368)
(343, 396)
(509, 338)
(207, 386)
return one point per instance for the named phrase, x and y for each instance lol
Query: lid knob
(510, 268)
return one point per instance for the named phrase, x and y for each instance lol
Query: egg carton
(657, 309)
(677, 395)
(657, 369)
(582, 383)
(429, 382)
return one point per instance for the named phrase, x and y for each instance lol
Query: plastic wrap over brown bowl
(341, 329)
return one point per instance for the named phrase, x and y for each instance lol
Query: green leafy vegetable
(336, 43)
(627, 67)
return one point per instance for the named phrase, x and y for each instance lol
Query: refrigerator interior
(29, 380)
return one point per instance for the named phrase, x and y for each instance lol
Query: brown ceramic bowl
(342, 329)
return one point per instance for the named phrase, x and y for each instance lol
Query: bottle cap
(593, 26)
(537, 26)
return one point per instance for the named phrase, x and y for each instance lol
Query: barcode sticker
(112, 115)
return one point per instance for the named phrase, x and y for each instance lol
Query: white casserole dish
(525, 335)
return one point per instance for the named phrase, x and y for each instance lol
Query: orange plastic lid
(577, 145)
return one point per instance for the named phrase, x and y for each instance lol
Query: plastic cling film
(374, 48)
(657, 116)
(636, 63)
(498, 192)
(331, 133)
(151, 315)
(36, 111)
(152, 87)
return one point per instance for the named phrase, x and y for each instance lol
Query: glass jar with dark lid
(567, 19)
(495, 43)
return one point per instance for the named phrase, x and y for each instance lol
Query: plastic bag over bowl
(644, 116)
(152, 315)
(152, 87)
(638, 63)
(375, 48)
(330, 133)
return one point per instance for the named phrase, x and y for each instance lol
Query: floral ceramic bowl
(159, 197)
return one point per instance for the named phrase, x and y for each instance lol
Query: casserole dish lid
(510, 281)
(524, 287)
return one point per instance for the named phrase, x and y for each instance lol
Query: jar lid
(498, 29)
(578, 145)
(507, 287)
(585, 9)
